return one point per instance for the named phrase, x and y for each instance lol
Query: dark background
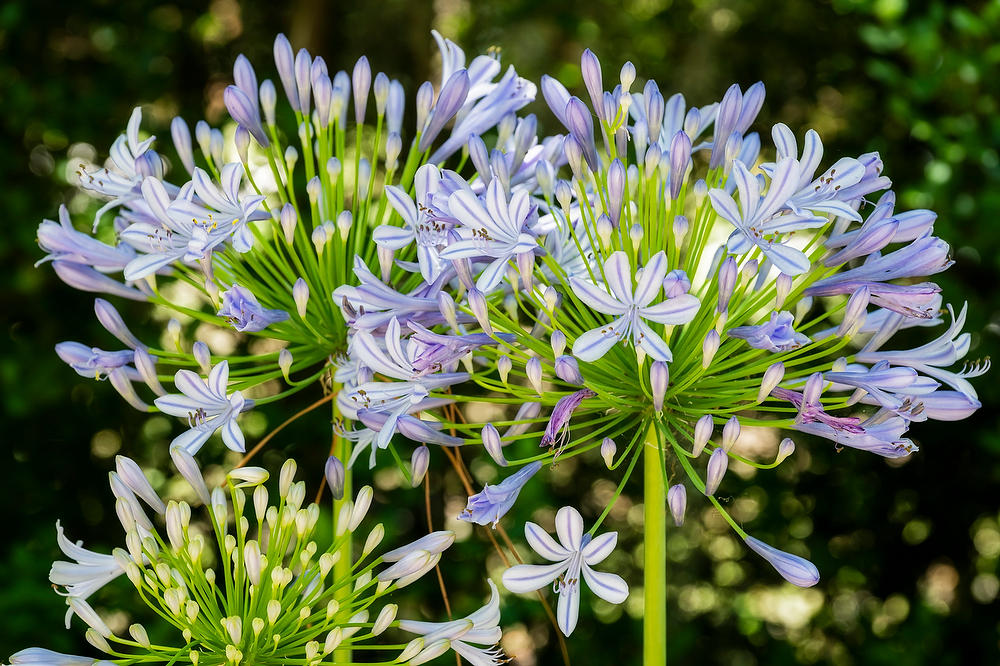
(908, 551)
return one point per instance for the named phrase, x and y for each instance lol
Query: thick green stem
(654, 617)
(342, 569)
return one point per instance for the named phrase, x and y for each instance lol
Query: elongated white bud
(709, 347)
(659, 376)
(782, 285)
(288, 219)
(248, 477)
(772, 377)
(477, 303)
(785, 449)
(252, 561)
(132, 476)
(362, 503)
(202, 356)
(702, 433)
(384, 619)
(533, 370)
(608, 450)
(374, 539)
(285, 477)
(717, 465)
(558, 342)
(677, 501)
(504, 365)
(730, 433)
(493, 445)
(300, 294)
(419, 462)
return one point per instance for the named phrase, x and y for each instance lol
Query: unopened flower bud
(300, 294)
(344, 222)
(533, 370)
(493, 445)
(709, 347)
(608, 450)
(855, 313)
(796, 570)
(335, 474)
(419, 462)
(681, 226)
(730, 433)
(702, 433)
(717, 464)
(477, 303)
(285, 477)
(568, 369)
(782, 285)
(635, 234)
(288, 219)
(248, 476)
(727, 282)
(285, 360)
(504, 365)
(659, 376)
(202, 356)
(558, 342)
(772, 377)
(604, 229)
(785, 449)
(677, 501)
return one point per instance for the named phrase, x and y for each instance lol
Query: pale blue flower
(492, 502)
(796, 570)
(631, 306)
(572, 558)
(464, 636)
(776, 334)
(241, 309)
(208, 407)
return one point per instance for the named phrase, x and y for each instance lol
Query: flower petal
(569, 527)
(568, 608)
(608, 586)
(596, 297)
(543, 544)
(522, 578)
(651, 279)
(618, 273)
(597, 550)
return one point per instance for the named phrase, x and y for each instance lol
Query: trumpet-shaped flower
(208, 407)
(242, 309)
(631, 307)
(572, 557)
(776, 334)
(492, 502)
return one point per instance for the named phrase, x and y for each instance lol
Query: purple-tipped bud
(608, 450)
(268, 101)
(323, 94)
(581, 126)
(564, 195)
(394, 108)
(568, 370)
(677, 499)
(477, 303)
(493, 445)
(504, 365)
(709, 347)
(451, 98)
(245, 112)
(181, 136)
(627, 76)
(361, 82)
(676, 284)
(533, 369)
(702, 433)
(424, 101)
(202, 356)
(552, 298)
(241, 139)
(749, 270)
(285, 360)
(345, 219)
(730, 433)
(796, 570)
(245, 78)
(727, 282)
(659, 376)
(113, 323)
(145, 364)
(300, 294)
(335, 475)
(558, 342)
(590, 67)
(635, 234)
(380, 90)
(393, 147)
(616, 190)
(604, 229)
(288, 218)
(319, 238)
(284, 59)
(782, 285)
(654, 112)
(785, 449)
(680, 227)
(303, 79)
(419, 462)
(855, 313)
(772, 377)
(680, 162)
(718, 462)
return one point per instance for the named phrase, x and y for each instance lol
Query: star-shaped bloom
(466, 635)
(421, 223)
(776, 334)
(88, 573)
(757, 219)
(632, 308)
(207, 406)
(572, 557)
(492, 502)
(496, 230)
(242, 309)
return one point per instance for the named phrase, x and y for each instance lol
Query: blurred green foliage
(909, 551)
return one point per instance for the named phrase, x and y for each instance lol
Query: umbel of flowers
(639, 287)
(255, 583)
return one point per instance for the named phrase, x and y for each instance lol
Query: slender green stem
(342, 569)
(654, 617)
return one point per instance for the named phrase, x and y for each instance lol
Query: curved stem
(654, 617)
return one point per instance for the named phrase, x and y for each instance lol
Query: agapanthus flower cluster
(644, 283)
(251, 583)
